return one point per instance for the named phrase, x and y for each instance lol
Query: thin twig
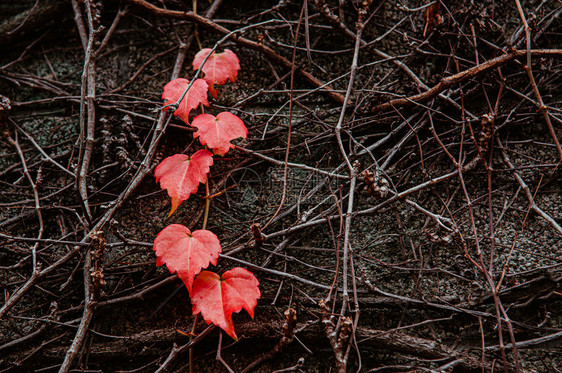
(207, 23)
(529, 70)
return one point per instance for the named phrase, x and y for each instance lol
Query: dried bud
(377, 185)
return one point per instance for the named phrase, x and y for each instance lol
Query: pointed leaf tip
(180, 175)
(185, 252)
(217, 132)
(218, 68)
(216, 298)
(196, 95)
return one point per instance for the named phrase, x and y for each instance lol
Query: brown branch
(532, 205)
(400, 342)
(338, 331)
(87, 114)
(86, 140)
(35, 265)
(80, 25)
(337, 23)
(470, 73)
(288, 337)
(257, 331)
(35, 277)
(178, 350)
(268, 52)
(529, 71)
(14, 29)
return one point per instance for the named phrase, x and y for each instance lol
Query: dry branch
(464, 76)
(268, 52)
(454, 244)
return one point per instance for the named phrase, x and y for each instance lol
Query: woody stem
(191, 335)
(207, 205)
(196, 317)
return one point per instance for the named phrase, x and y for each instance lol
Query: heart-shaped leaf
(186, 253)
(218, 297)
(196, 95)
(181, 175)
(217, 132)
(218, 68)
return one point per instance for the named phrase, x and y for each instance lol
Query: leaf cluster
(182, 251)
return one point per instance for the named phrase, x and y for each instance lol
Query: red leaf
(217, 132)
(181, 175)
(186, 253)
(218, 68)
(218, 297)
(196, 95)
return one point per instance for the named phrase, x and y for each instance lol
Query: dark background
(450, 244)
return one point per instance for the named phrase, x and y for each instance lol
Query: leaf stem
(205, 220)
(196, 33)
(191, 335)
(207, 204)
(175, 105)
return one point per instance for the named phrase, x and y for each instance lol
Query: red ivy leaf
(181, 175)
(218, 68)
(196, 95)
(217, 132)
(218, 297)
(186, 253)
